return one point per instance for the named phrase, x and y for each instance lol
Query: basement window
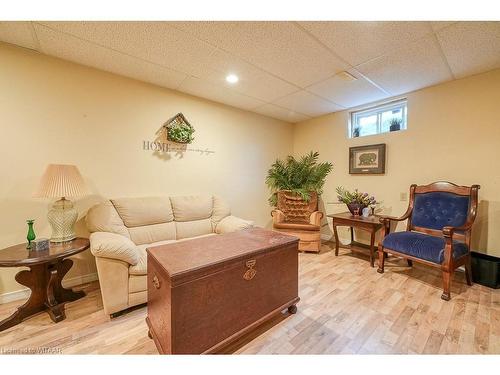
(378, 119)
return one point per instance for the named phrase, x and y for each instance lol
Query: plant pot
(353, 206)
(295, 208)
(394, 128)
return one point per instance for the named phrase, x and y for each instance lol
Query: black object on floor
(485, 270)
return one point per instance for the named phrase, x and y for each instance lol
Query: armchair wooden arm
(386, 220)
(449, 231)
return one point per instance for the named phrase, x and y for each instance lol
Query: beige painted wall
(54, 111)
(453, 134)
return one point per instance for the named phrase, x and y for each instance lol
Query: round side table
(46, 271)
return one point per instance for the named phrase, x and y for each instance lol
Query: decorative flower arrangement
(355, 199)
(347, 197)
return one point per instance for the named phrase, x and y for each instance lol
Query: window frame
(378, 110)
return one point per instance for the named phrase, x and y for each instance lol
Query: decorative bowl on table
(356, 208)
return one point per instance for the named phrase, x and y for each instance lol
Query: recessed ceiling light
(232, 78)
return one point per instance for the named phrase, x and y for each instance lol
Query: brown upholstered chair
(438, 230)
(298, 218)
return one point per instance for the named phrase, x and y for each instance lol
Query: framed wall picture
(367, 159)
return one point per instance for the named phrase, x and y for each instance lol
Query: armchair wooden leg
(410, 262)
(468, 270)
(381, 259)
(446, 285)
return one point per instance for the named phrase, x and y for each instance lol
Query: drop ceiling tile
(415, 66)
(18, 33)
(348, 93)
(359, 42)
(156, 42)
(280, 113)
(252, 81)
(281, 48)
(203, 88)
(471, 47)
(77, 50)
(307, 103)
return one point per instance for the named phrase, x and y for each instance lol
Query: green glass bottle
(31, 233)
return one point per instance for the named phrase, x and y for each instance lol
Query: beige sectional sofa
(122, 229)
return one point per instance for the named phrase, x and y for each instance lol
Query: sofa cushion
(439, 209)
(194, 228)
(191, 208)
(141, 267)
(104, 218)
(136, 212)
(153, 233)
(422, 246)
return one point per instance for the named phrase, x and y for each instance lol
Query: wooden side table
(47, 269)
(370, 224)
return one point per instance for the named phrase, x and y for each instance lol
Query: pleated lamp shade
(61, 180)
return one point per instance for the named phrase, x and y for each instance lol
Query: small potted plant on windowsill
(395, 124)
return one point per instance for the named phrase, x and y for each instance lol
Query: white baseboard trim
(67, 283)
(14, 296)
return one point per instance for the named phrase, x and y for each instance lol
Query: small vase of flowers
(355, 200)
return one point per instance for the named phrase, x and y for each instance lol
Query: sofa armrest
(114, 246)
(315, 218)
(232, 224)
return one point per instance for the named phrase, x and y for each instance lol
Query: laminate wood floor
(346, 307)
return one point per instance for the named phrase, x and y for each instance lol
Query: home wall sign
(157, 146)
(174, 136)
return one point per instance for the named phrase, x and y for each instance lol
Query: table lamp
(61, 181)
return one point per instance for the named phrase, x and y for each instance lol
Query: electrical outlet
(403, 197)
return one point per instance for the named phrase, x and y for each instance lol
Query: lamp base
(62, 217)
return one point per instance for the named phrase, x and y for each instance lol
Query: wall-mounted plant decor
(179, 129)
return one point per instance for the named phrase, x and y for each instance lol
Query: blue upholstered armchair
(438, 231)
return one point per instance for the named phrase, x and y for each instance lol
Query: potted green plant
(303, 178)
(179, 129)
(395, 124)
(355, 200)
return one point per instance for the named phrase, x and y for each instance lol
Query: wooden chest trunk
(207, 292)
